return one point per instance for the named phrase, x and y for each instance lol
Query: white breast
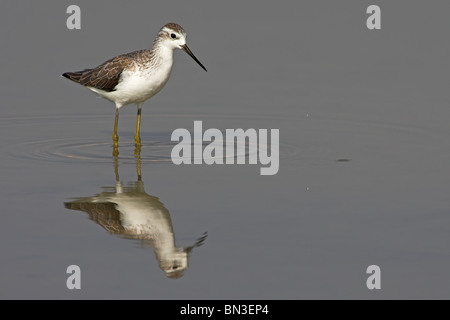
(140, 215)
(139, 84)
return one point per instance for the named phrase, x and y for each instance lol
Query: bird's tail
(76, 75)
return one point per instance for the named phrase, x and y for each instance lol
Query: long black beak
(186, 49)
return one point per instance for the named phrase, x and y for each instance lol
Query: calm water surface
(364, 155)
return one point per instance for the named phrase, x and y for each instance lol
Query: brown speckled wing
(107, 75)
(105, 214)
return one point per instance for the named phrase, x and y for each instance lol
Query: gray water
(364, 152)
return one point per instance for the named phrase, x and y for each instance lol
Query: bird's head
(173, 36)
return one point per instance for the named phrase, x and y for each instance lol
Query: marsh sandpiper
(136, 76)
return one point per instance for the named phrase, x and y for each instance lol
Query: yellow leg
(115, 136)
(137, 136)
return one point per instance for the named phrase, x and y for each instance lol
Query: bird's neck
(161, 51)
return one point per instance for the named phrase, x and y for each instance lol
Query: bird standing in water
(136, 76)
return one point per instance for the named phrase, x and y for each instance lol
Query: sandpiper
(136, 76)
(128, 211)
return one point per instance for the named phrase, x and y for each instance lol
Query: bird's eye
(173, 35)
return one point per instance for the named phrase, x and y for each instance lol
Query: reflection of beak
(186, 49)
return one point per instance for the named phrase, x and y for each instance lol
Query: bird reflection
(128, 211)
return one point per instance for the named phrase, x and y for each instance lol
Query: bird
(128, 211)
(136, 76)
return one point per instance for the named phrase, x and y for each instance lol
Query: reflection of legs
(137, 136)
(116, 169)
(115, 153)
(119, 186)
(137, 153)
